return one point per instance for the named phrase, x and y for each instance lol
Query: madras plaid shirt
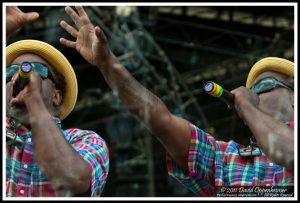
(215, 163)
(23, 177)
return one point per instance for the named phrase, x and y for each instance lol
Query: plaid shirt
(23, 177)
(216, 163)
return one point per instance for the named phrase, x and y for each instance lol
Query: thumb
(15, 101)
(29, 17)
(100, 35)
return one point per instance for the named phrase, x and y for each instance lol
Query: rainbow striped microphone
(24, 74)
(217, 91)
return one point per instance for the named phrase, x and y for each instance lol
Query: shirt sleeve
(200, 179)
(93, 149)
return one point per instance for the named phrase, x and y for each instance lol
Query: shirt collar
(22, 130)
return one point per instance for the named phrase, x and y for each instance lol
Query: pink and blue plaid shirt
(214, 163)
(23, 177)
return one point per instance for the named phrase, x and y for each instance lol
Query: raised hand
(15, 19)
(89, 41)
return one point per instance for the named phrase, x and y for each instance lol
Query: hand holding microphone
(218, 92)
(25, 70)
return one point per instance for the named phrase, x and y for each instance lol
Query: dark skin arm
(274, 138)
(60, 163)
(68, 173)
(91, 43)
(152, 111)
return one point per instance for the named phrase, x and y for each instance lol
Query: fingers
(19, 18)
(72, 31)
(84, 17)
(15, 101)
(10, 9)
(29, 17)
(100, 35)
(74, 16)
(67, 43)
(14, 78)
(81, 11)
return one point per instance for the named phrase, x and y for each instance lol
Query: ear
(57, 97)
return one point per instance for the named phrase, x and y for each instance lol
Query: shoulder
(79, 135)
(75, 131)
(199, 135)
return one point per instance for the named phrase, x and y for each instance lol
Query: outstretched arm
(173, 132)
(15, 19)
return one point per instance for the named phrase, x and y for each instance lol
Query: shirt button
(22, 191)
(271, 164)
(29, 139)
(25, 166)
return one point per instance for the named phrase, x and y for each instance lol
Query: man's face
(20, 112)
(278, 102)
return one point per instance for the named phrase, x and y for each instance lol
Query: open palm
(90, 41)
(15, 19)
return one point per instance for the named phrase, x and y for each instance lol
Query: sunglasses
(38, 67)
(267, 84)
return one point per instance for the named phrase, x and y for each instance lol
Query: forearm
(173, 132)
(273, 137)
(140, 101)
(56, 158)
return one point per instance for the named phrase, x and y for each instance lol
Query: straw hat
(57, 60)
(279, 65)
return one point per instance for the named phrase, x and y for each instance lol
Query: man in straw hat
(195, 158)
(42, 159)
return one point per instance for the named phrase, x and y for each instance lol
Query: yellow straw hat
(57, 60)
(275, 64)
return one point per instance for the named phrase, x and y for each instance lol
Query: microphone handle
(19, 86)
(227, 97)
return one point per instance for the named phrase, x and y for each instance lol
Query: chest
(257, 170)
(23, 177)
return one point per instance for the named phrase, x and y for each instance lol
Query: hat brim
(275, 64)
(57, 60)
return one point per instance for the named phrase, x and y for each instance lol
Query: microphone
(217, 91)
(24, 73)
